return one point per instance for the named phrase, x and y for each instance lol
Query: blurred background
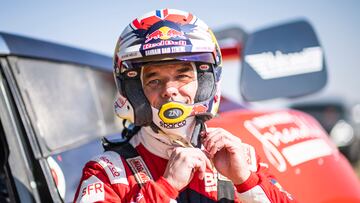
(96, 25)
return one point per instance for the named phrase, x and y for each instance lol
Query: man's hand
(183, 163)
(227, 154)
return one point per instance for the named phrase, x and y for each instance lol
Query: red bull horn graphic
(164, 33)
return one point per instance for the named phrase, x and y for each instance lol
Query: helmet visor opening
(184, 72)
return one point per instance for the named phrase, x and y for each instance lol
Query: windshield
(67, 104)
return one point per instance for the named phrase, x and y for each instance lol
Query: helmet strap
(196, 138)
(154, 127)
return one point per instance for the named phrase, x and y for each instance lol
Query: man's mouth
(186, 101)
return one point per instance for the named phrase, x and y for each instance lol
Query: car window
(67, 104)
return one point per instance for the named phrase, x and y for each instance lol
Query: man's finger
(213, 138)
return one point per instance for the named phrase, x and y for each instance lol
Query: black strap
(125, 150)
(196, 138)
(226, 191)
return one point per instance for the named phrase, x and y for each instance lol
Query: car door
(18, 181)
(58, 112)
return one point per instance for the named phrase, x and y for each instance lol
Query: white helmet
(162, 36)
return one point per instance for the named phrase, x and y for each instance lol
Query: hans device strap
(133, 160)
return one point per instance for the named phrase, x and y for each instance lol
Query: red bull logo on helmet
(164, 33)
(164, 43)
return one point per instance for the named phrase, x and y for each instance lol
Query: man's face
(169, 82)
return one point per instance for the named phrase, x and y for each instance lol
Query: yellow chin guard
(174, 112)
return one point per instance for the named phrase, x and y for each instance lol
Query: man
(167, 66)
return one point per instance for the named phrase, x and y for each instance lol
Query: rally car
(56, 102)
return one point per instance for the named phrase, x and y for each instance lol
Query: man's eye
(184, 76)
(155, 82)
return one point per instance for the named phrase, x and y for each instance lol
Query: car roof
(11, 44)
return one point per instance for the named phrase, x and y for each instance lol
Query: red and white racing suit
(108, 178)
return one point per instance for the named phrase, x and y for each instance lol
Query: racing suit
(111, 178)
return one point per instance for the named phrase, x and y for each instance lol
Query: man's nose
(170, 90)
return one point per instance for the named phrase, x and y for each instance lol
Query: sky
(96, 25)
